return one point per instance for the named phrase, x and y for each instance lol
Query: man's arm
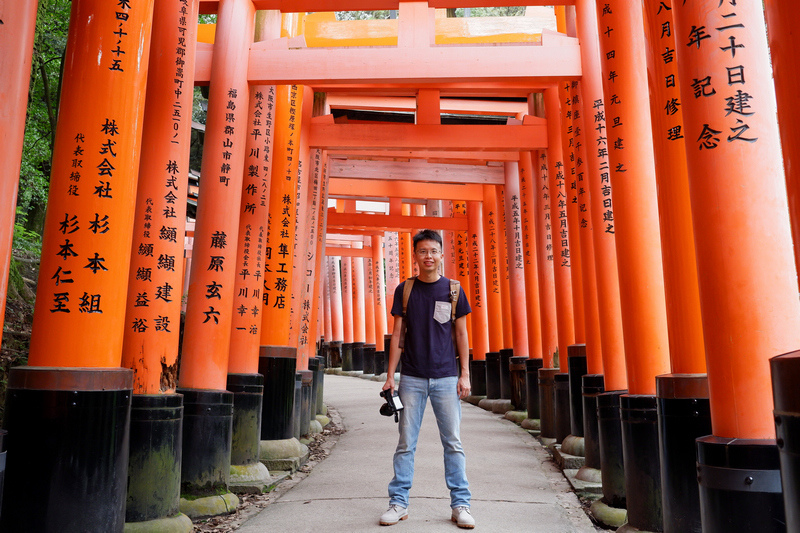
(462, 349)
(394, 353)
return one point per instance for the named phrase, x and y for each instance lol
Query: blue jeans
(414, 393)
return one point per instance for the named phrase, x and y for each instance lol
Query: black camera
(393, 404)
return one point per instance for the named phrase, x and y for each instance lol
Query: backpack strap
(455, 291)
(407, 292)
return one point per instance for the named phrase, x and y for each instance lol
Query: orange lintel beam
(380, 189)
(396, 222)
(448, 105)
(343, 251)
(294, 6)
(414, 171)
(444, 64)
(431, 155)
(429, 137)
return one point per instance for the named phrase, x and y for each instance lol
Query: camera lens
(386, 410)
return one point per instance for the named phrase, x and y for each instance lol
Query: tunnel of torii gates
(660, 331)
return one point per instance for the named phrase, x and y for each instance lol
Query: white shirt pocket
(441, 313)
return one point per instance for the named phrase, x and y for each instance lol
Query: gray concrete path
(515, 486)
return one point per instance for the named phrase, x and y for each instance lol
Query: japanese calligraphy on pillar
(492, 256)
(515, 253)
(601, 119)
(581, 183)
(544, 197)
(309, 259)
(462, 252)
(248, 286)
(392, 263)
(728, 83)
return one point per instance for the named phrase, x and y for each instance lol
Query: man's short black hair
(427, 235)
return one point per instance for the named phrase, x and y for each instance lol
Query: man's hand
(463, 386)
(389, 385)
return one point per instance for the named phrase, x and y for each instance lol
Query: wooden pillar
(783, 41)
(463, 260)
(573, 225)
(347, 298)
(392, 272)
(601, 208)
(405, 249)
(502, 256)
(528, 199)
(79, 318)
(685, 326)
(516, 268)
(379, 277)
(748, 291)
(480, 321)
(449, 239)
(579, 194)
(207, 332)
(369, 299)
(153, 302)
(494, 306)
(335, 290)
(358, 295)
(16, 45)
(560, 229)
(248, 289)
(630, 146)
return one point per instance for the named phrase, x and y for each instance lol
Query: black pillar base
(505, 373)
(306, 383)
(684, 415)
(358, 356)
(154, 465)
(547, 402)
(297, 405)
(593, 384)
(380, 362)
(248, 399)
(347, 356)
(577, 369)
(317, 366)
(612, 470)
(277, 364)
(335, 354)
(477, 376)
(369, 359)
(3, 455)
(207, 432)
(641, 463)
(562, 411)
(516, 369)
(785, 377)
(740, 485)
(68, 429)
(532, 367)
(493, 375)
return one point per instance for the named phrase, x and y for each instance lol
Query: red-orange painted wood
(594, 345)
(573, 216)
(153, 311)
(684, 322)
(494, 305)
(784, 41)
(16, 45)
(347, 298)
(748, 287)
(335, 291)
(463, 260)
(600, 199)
(528, 195)
(477, 272)
(379, 280)
(87, 232)
(206, 340)
(516, 261)
(359, 294)
(404, 250)
(278, 281)
(502, 256)
(630, 146)
(560, 254)
(392, 254)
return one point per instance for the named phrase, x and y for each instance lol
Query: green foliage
(512, 11)
(50, 40)
(362, 15)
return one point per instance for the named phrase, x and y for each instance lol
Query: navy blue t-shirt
(428, 350)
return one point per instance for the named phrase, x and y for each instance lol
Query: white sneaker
(462, 517)
(393, 515)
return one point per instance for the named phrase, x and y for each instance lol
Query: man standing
(430, 370)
